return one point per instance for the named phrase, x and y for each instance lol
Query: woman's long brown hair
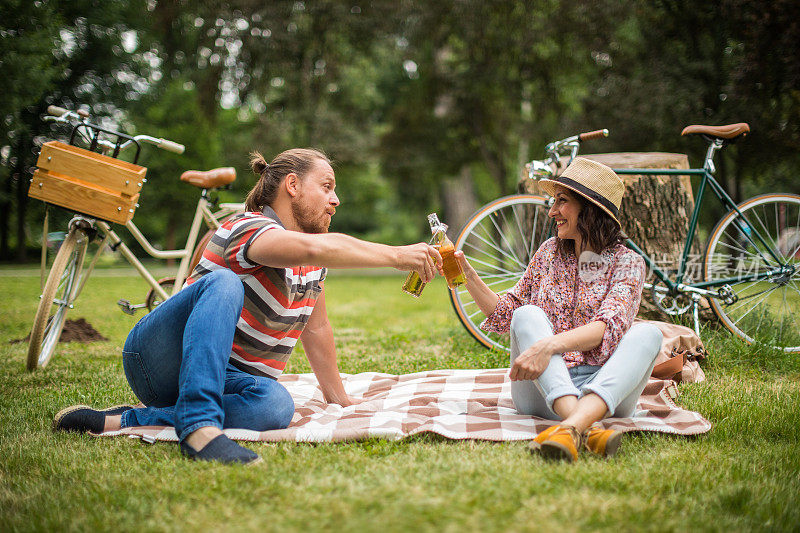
(596, 228)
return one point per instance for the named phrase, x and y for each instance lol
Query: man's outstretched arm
(317, 339)
(286, 249)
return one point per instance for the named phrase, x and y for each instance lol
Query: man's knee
(528, 316)
(275, 407)
(226, 284)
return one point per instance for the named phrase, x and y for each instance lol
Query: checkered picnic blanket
(457, 404)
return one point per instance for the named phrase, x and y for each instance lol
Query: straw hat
(592, 180)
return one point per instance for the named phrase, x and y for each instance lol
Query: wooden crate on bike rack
(87, 182)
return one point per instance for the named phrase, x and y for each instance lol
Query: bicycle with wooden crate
(750, 275)
(102, 189)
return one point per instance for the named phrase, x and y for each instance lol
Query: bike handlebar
(556, 148)
(55, 111)
(590, 135)
(60, 114)
(171, 146)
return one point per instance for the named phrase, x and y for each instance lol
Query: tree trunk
(20, 177)
(5, 215)
(655, 212)
(458, 201)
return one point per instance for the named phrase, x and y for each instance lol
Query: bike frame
(749, 230)
(202, 212)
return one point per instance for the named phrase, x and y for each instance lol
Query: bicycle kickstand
(696, 312)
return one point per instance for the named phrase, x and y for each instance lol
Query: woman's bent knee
(648, 336)
(528, 316)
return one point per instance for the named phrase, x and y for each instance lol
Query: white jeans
(619, 382)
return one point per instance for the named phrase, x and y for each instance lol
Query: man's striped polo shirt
(277, 301)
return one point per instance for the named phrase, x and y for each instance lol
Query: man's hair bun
(258, 163)
(296, 160)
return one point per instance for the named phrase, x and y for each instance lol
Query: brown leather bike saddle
(728, 132)
(210, 179)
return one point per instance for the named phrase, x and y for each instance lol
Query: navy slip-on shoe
(79, 418)
(82, 418)
(223, 450)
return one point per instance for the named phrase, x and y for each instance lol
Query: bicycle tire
(499, 240)
(766, 311)
(57, 297)
(153, 300)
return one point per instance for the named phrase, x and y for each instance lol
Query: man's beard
(309, 220)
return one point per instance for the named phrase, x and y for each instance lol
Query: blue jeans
(619, 382)
(176, 361)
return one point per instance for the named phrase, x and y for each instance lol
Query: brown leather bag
(680, 352)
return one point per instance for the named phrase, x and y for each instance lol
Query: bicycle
(102, 189)
(751, 263)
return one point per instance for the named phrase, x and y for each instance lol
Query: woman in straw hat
(575, 357)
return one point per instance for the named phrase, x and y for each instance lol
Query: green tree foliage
(668, 64)
(401, 94)
(485, 80)
(166, 203)
(57, 51)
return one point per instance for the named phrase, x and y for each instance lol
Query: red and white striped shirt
(277, 301)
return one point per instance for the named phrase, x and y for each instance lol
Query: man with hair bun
(208, 358)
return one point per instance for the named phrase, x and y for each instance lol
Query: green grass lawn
(744, 475)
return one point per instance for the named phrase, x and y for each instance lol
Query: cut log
(655, 213)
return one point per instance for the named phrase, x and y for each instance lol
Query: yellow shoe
(562, 443)
(603, 442)
(536, 443)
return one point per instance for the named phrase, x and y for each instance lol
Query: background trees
(423, 106)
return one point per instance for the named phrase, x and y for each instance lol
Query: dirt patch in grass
(74, 331)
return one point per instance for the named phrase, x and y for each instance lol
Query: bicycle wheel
(499, 241)
(57, 297)
(153, 300)
(766, 309)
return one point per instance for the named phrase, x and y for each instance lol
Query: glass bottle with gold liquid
(452, 270)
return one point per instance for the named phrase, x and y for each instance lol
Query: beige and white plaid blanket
(457, 404)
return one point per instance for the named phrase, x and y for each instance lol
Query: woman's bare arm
(484, 297)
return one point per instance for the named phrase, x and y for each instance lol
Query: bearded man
(208, 358)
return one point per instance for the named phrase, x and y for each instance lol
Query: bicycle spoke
(532, 238)
(767, 234)
(476, 313)
(500, 276)
(504, 281)
(497, 278)
(744, 302)
(503, 237)
(497, 282)
(471, 259)
(794, 287)
(780, 333)
(490, 244)
(797, 229)
(747, 236)
(519, 226)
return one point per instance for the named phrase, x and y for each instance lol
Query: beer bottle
(452, 269)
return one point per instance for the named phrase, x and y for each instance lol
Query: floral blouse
(607, 289)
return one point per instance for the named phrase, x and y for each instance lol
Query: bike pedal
(126, 307)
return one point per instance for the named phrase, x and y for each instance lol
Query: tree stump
(655, 211)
